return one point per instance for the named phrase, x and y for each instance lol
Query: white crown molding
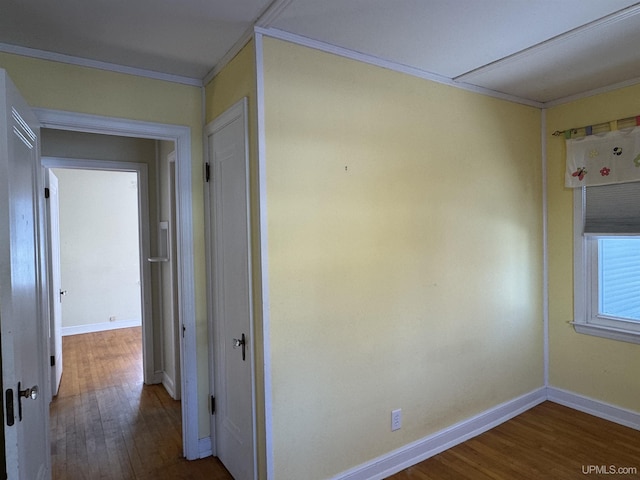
(85, 62)
(230, 55)
(271, 13)
(591, 93)
(264, 20)
(372, 60)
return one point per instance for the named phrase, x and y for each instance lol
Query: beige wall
(99, 247)
(61, 86)
(605, 370)
(405, 257)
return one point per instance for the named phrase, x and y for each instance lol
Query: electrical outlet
(396, 419)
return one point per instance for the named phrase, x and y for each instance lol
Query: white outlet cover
(396, 419)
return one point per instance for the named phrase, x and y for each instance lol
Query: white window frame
(585, 284)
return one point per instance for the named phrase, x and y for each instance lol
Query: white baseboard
(156, 378)
(169, 385)
(415, 452)
(100, 327)
(204, 447)
(625, 417)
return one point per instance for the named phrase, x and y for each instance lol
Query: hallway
(105, 424)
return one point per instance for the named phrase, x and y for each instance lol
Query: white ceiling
(536, 50)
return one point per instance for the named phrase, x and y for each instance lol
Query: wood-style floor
(106, 424)
(547, 442)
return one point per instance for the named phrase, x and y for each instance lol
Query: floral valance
(603, 159)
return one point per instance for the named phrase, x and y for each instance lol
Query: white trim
(204, 447)
(584, 297)
(413, 453)
(272, 13)
(545, 248)
(264, 258)
(86, 62)
(100, 327)
(230, 55)
(265, 19)
(402, 458)
(169, 385)
(613, 413)
(390, 65)
(607, 332)
(181, 135)
(591, 93)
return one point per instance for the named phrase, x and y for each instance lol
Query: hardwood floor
(547, 442)
(106, 424)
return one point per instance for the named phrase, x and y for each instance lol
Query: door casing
(193, 448)
(55, 287)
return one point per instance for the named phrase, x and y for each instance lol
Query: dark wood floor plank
(106, 424)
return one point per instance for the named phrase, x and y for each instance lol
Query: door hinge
(213, 405)
(47, 192)
(207, 172)
(52, 360)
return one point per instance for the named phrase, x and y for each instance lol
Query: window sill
(607, 332)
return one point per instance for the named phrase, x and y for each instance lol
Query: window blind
(612, 209)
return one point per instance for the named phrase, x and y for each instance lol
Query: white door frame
(151, 373)
(181, 135)
(238, 110)
(52, 238)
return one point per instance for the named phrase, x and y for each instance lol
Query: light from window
(619, 278)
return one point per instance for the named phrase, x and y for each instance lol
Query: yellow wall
(235, 81)
(606, 370)
(405, 256)
(61, 86)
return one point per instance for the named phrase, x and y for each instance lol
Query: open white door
(55, 287)
(231, 294)
(25, 386)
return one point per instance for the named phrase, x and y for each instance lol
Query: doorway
(181, 138)
(108, 284)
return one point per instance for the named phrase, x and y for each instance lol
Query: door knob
(31, 393)
(241, 342)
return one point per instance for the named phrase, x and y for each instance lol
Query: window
(607, 261)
